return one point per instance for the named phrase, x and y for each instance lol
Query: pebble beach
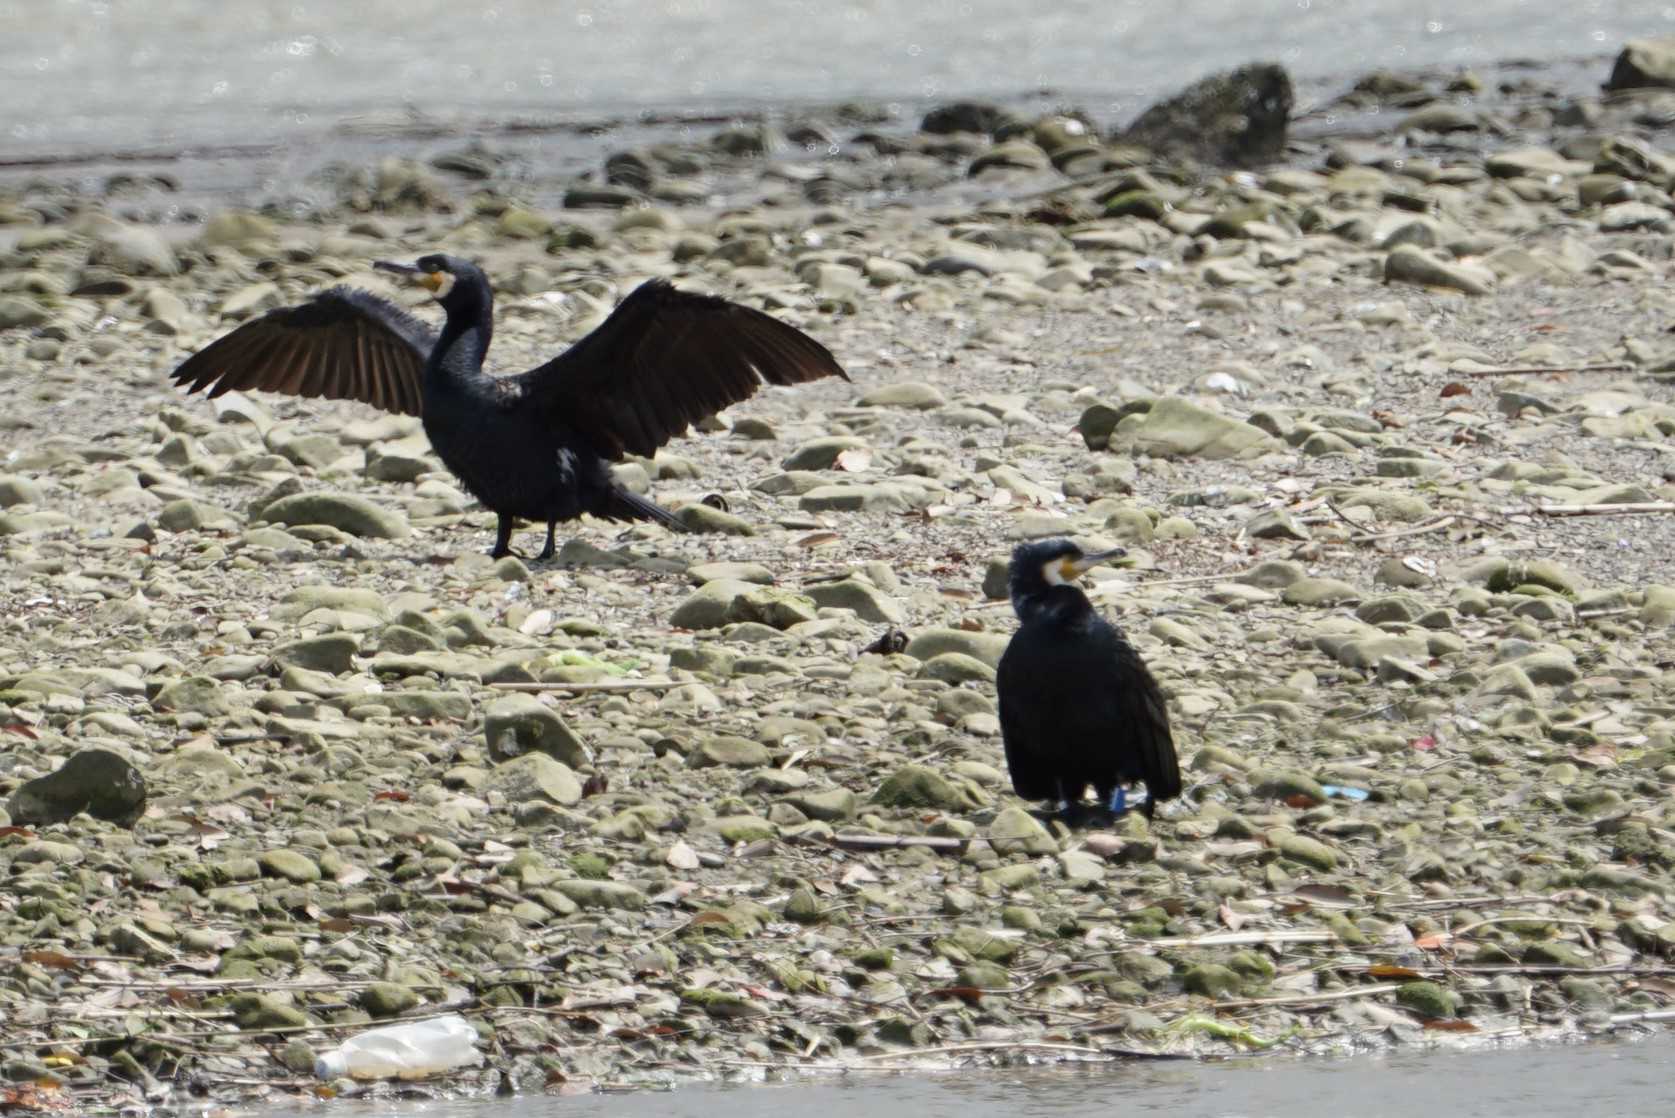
(1384, 415)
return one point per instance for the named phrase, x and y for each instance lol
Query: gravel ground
(1429, 724)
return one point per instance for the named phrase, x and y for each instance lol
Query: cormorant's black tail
(623, 505)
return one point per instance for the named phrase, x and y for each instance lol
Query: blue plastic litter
(1122, 801)
(1345, 793)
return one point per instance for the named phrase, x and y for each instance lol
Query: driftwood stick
(1094, 591)
(1436, 525)
(217, 1034)
(1236, 939)
(1533, 969)
(1593, 614)
(993, 1045)
(277, 1030)
(1648, 1015)
(1189, 580)
(1534, 370)
(1311, 999)
(1514, 917)
(194, 986)
(1344, 516)
(1626, 509)
(31, 955)
(1433, 904)
(603, 685)
(896, 842)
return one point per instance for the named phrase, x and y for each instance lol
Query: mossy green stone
(1253, 966)
(196, 694)
(1211, 980)
(1021, 918)
(1556, 953)
(918, 786)
(979, 943)
(1137, 203)
(721, 1003)
(1009, 879)
(744, 828)
(1016, 831)
(985, 975)
(281, 948)
(593, 867)
(332, 653)
(602, 894)
(1283, 784)
(728, 751)
(297, 868)
(1428, 999)
(834, 805)
(387, 999)
(1308, 851)
(346, 512)
(803, 907)
(955, 668)
(264, 1011)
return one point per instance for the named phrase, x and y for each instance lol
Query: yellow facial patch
(1068, 571)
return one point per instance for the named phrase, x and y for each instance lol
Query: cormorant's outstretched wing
(662, 361)
(343, 344)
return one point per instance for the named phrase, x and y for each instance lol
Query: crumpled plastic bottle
(408, 1050)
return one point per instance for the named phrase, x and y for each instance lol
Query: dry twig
(1628, 508)
(1538, 370)
(1311, 999)
(603, 685)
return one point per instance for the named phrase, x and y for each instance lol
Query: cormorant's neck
(1063, 604)
(464, 344)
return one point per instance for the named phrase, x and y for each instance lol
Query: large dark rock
(630, 169)
(96, 781)
(966, 116)
(1644, 64)
(1236, 118)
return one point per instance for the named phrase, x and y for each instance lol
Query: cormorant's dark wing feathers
(664, 360)
(1146, 721)
(343, 344)
(1032, 775)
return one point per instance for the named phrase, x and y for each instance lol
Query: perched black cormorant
(532, 446)
(1077, 705)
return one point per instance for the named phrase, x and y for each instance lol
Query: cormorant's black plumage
(1078, 706)
(534, 446)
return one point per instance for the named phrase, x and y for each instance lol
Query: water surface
(1622, 1080)
(77, 74)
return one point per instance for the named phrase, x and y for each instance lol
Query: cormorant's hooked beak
(1076, 568)
(430, 281)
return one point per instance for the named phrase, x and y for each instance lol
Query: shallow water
(1622, 1080)
(139, 74)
